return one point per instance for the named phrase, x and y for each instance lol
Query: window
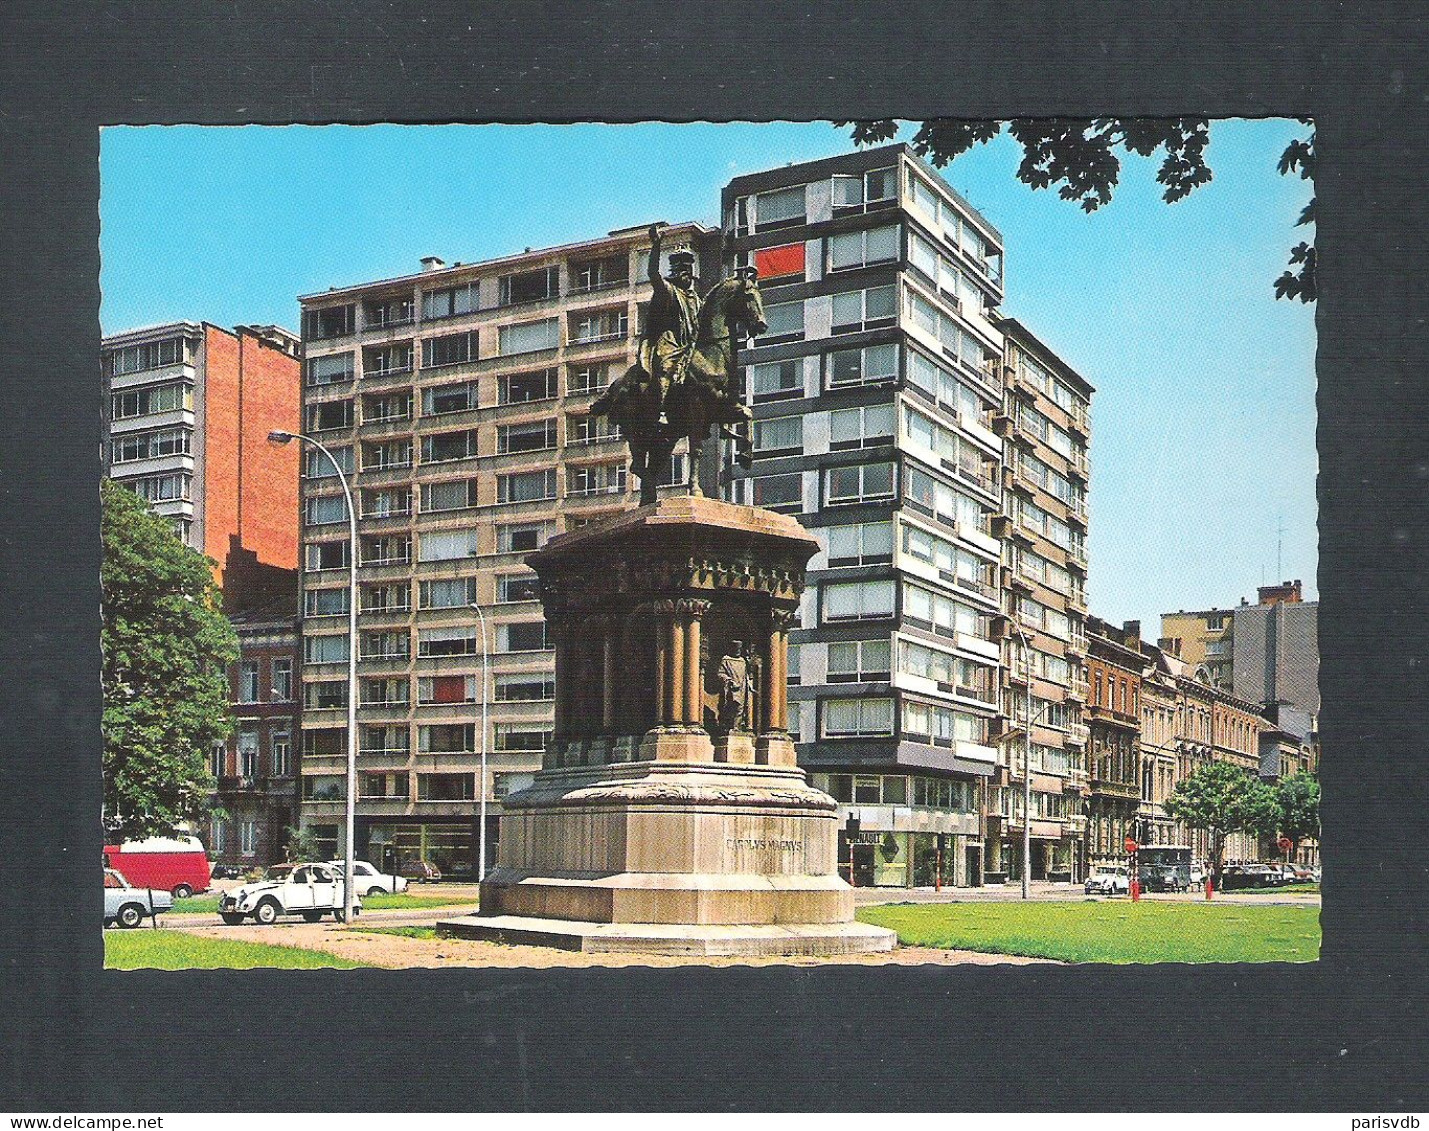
(941, 726)
(784, 323)
(951, 673)
(331, 369)
(876, 188)
(942, 273)
(248, 837)
(526, 636)
(520, 537)
(512, 587)
(447, 640)
(385, 549)
(858, 600)
(936, 443)
(383, 693)
(522, 388)
(280, 752)
(533, 436)
(384, 738)
(933, 497)
(864, 310)
(386, 454)
(528, 337)
(386, 598)
(282, 690)
(526, 486)
(378, 408)
(953, 563)
(590, 429)
(378, 313)
(784, 263)
(598, 274)
(325, 602)
(596, 479)
(867, 543)
(217, 757)
(675, 473)
(324, 509)
(588, 378)
(325, 649)
(248, 681)
(521, 736)
(783, 208)
(858, 483)
(386, 502)
(385, 645)
(449, 398)
(320, 467)
(150, 445)
(446, 787)
(859, 249)
(779, 434)
(446, 545)
(536, 687)
(529, 286)
(452, 495)
(778, 492)
(247, 752)
(325, 694)
(324, 787)
(941, 614)
(325, 741)
(448, 593)
(599, 326)
(385, 360)
(330, 322)
(325, 555)
(451, 301)
(447, 689)
(854, 718)
(450, 349)
(776, 380)
(150, 355)
(859, 661)
(160, 488)
(862, 366)
(860, 427)
(446, 446)
(175, 397)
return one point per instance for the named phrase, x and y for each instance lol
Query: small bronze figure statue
(683, 383)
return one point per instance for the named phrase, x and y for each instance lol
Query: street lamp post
(348, 894)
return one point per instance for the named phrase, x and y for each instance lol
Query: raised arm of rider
(654, 265)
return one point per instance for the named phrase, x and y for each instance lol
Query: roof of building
(634, 234)
(156, 330)
(1016, 329)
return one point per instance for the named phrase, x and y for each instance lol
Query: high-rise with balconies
(457, 399)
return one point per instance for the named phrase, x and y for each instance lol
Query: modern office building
(1276, 655)
(1046, 430)
(188, 408)
(877, 394)
(457, 399)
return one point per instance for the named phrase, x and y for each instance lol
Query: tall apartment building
(458, 400)
(876, 392)
(1203, 639)
(188, 408)
(1046, 428)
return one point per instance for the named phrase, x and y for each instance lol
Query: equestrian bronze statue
(684, 381)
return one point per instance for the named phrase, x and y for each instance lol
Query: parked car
(369, 881)
(309, 890)
(419, 870)
(227, 872)
(1108, 879)
(178, 865)
(129, 906)
(1235, 877)
(1165, 877)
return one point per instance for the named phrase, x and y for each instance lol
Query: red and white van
(178, 865)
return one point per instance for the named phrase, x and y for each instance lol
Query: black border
(1348, 1033)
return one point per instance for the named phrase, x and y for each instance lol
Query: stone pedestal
(670, 815)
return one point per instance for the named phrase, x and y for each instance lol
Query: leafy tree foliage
(1081, 156)
(1297, 797)
(166, 649)
(1223, 799)
(302, 844)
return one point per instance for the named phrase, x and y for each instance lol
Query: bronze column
(691, 612)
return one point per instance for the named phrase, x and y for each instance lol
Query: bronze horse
(701, 396)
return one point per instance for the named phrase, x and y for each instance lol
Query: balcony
(1078, 734)
(1078, 690)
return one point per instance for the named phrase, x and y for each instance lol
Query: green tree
(302, 844)
(1081, 155)
(166, 649)
(1297, 798)
(1223, 799)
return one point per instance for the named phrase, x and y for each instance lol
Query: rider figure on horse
(672, 321)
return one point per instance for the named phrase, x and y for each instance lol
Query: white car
(309, 890)
(1108, 879)
(369, 881)
(129, 906)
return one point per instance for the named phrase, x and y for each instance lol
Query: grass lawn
(145, 949)
(1110, 931)
(403, 900)
(405, 932)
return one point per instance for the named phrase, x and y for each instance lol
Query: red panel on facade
(449, 689)
(773, 262)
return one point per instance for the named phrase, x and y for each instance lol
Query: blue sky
(1204, 416)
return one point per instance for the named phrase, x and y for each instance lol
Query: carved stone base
(666, 843)
(676, 744)
(736, 749)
